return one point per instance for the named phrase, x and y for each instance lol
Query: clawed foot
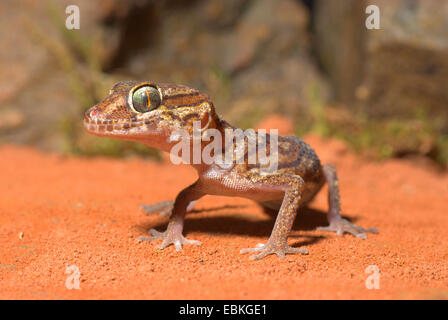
(279, 250)
(341, 226)
(168, 237)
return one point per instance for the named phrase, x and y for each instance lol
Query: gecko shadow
(307, 219)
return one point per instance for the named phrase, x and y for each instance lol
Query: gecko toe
(163, 245)
(177, 245)
(143, 238)
(268, 249)
(156, 234)
(258, 256)
(192, 242)
(341, 226)
(281, 254)
(361, 235)
(258, 248)
(169, 238)
(372, 230)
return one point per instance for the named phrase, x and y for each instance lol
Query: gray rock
(339, 42)
(261, 56)
(407, 61)
(398, 71)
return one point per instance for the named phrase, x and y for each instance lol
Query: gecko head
(137, 111)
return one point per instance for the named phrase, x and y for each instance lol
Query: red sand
(58, 211)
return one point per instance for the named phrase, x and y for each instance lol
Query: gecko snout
(91, 115)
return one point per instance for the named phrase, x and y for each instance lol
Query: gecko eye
(145, 99)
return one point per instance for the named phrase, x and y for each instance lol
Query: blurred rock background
(313, 61)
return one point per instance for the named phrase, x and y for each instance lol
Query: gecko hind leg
(336, 222)
(164, 208)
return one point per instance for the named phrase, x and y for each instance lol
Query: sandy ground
(58, 211)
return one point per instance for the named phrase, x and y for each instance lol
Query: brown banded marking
(196, 104)
(172, 116)
(177, 99)
(300, 157)
(188, 116)
(178, 96)
(185, 100)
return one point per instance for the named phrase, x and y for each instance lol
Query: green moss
(251, 118)
(320, 123)
(441, 154)
(387, 138)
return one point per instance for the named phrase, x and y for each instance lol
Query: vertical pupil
(144, 98)
(141, 100)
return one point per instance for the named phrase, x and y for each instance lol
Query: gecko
(150, 113)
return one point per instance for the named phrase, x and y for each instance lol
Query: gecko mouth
(99, 126)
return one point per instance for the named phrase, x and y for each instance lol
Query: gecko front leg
(338, 224)
(277, 243)
(173, 234)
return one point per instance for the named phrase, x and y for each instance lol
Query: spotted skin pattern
(294, 184)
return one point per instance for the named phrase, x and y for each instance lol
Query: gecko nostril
(93, 114)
